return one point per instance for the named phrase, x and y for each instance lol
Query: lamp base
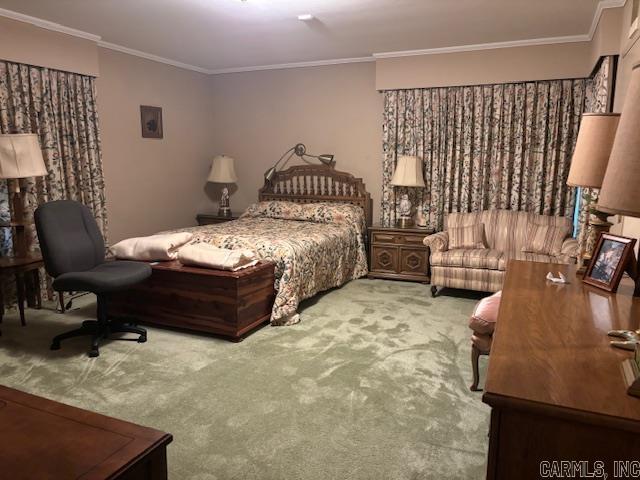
(224, 211)
(404, 222)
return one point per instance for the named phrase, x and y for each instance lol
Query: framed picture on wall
(609, 261)
(151, 121)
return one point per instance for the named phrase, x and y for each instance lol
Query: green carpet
(372, 384)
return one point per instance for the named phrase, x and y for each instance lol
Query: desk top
(551, 345)
(40, 437)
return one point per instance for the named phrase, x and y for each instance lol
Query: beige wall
(630, 56)
(332, 109)
(152, 184)
(24, 43)
(255, 116)
(502, 65)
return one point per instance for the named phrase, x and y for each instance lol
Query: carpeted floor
(372, 384)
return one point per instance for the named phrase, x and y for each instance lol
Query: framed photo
(609, 261)
(151, 121)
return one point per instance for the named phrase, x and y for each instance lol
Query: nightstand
(399, 254)
(210, 218)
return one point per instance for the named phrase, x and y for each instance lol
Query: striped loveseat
(507, 235)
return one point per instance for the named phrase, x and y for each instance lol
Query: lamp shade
(222, 170)
(408, 173)
(593, 148)
(21, 156)
(620, 191)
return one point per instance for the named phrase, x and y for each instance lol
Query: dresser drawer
(398, 238)
(413, 261)
(384, 259)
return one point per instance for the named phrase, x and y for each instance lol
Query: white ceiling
(216, 35)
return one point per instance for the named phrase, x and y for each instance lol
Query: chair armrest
(438, 242)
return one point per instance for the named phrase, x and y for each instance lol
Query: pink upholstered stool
(483, 323)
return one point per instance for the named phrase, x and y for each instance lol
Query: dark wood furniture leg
(37, 290)
(434, 291)
(475, 357)
(20, 291)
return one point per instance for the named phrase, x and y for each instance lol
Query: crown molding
(152, 57)
(485, 46)
(587, 37)
(283, 66)
(55, 27)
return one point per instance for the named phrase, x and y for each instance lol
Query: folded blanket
(206, 255)
(156, 247)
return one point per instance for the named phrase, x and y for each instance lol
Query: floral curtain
(61, 108)
(483, 147)
(599, 99)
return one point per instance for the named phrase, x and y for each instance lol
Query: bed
(310, 222)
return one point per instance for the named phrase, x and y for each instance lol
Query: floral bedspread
(315, 247)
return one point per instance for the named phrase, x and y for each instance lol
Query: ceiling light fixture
(305, 17)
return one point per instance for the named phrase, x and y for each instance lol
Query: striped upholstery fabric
(467, 237)
(506, 234)
(545, 239)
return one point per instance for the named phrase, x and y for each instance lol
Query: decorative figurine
(223, 208)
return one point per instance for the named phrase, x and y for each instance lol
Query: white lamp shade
(593, 148)
(620, 191)
(21, 156)
(222, 170)
(408, 172)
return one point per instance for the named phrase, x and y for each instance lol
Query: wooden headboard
(317, 183)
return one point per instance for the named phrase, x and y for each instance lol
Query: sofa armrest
(570, 248)
(438, 242)
(569, 252)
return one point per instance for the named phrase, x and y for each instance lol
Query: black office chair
(74, 255)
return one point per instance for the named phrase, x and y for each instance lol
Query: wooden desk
(44, 439)
(554, 384)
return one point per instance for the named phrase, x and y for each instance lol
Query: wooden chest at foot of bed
(225, 303)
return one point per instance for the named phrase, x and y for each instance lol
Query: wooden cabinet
(398, 253)
(211, 218)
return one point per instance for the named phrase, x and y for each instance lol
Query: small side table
(212, 218)
(27, 278)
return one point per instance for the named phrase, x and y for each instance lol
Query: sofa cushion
(545, 239)
(484, 258)
(485, 315)
(470, 258)
(471, 236)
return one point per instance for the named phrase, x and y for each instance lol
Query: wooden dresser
(399, 254)
(554, 384)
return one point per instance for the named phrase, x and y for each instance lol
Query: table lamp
(20, 157)
(408, 174)
(222, 171)
(620, 193)
(589, 163)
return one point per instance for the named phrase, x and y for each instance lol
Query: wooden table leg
(37, 290)
(1, 299)
(30, 288)
(20, 290)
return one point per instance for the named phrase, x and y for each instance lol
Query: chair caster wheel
(93, 353)
(434, 291)
(142, 339)
(55, 346)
